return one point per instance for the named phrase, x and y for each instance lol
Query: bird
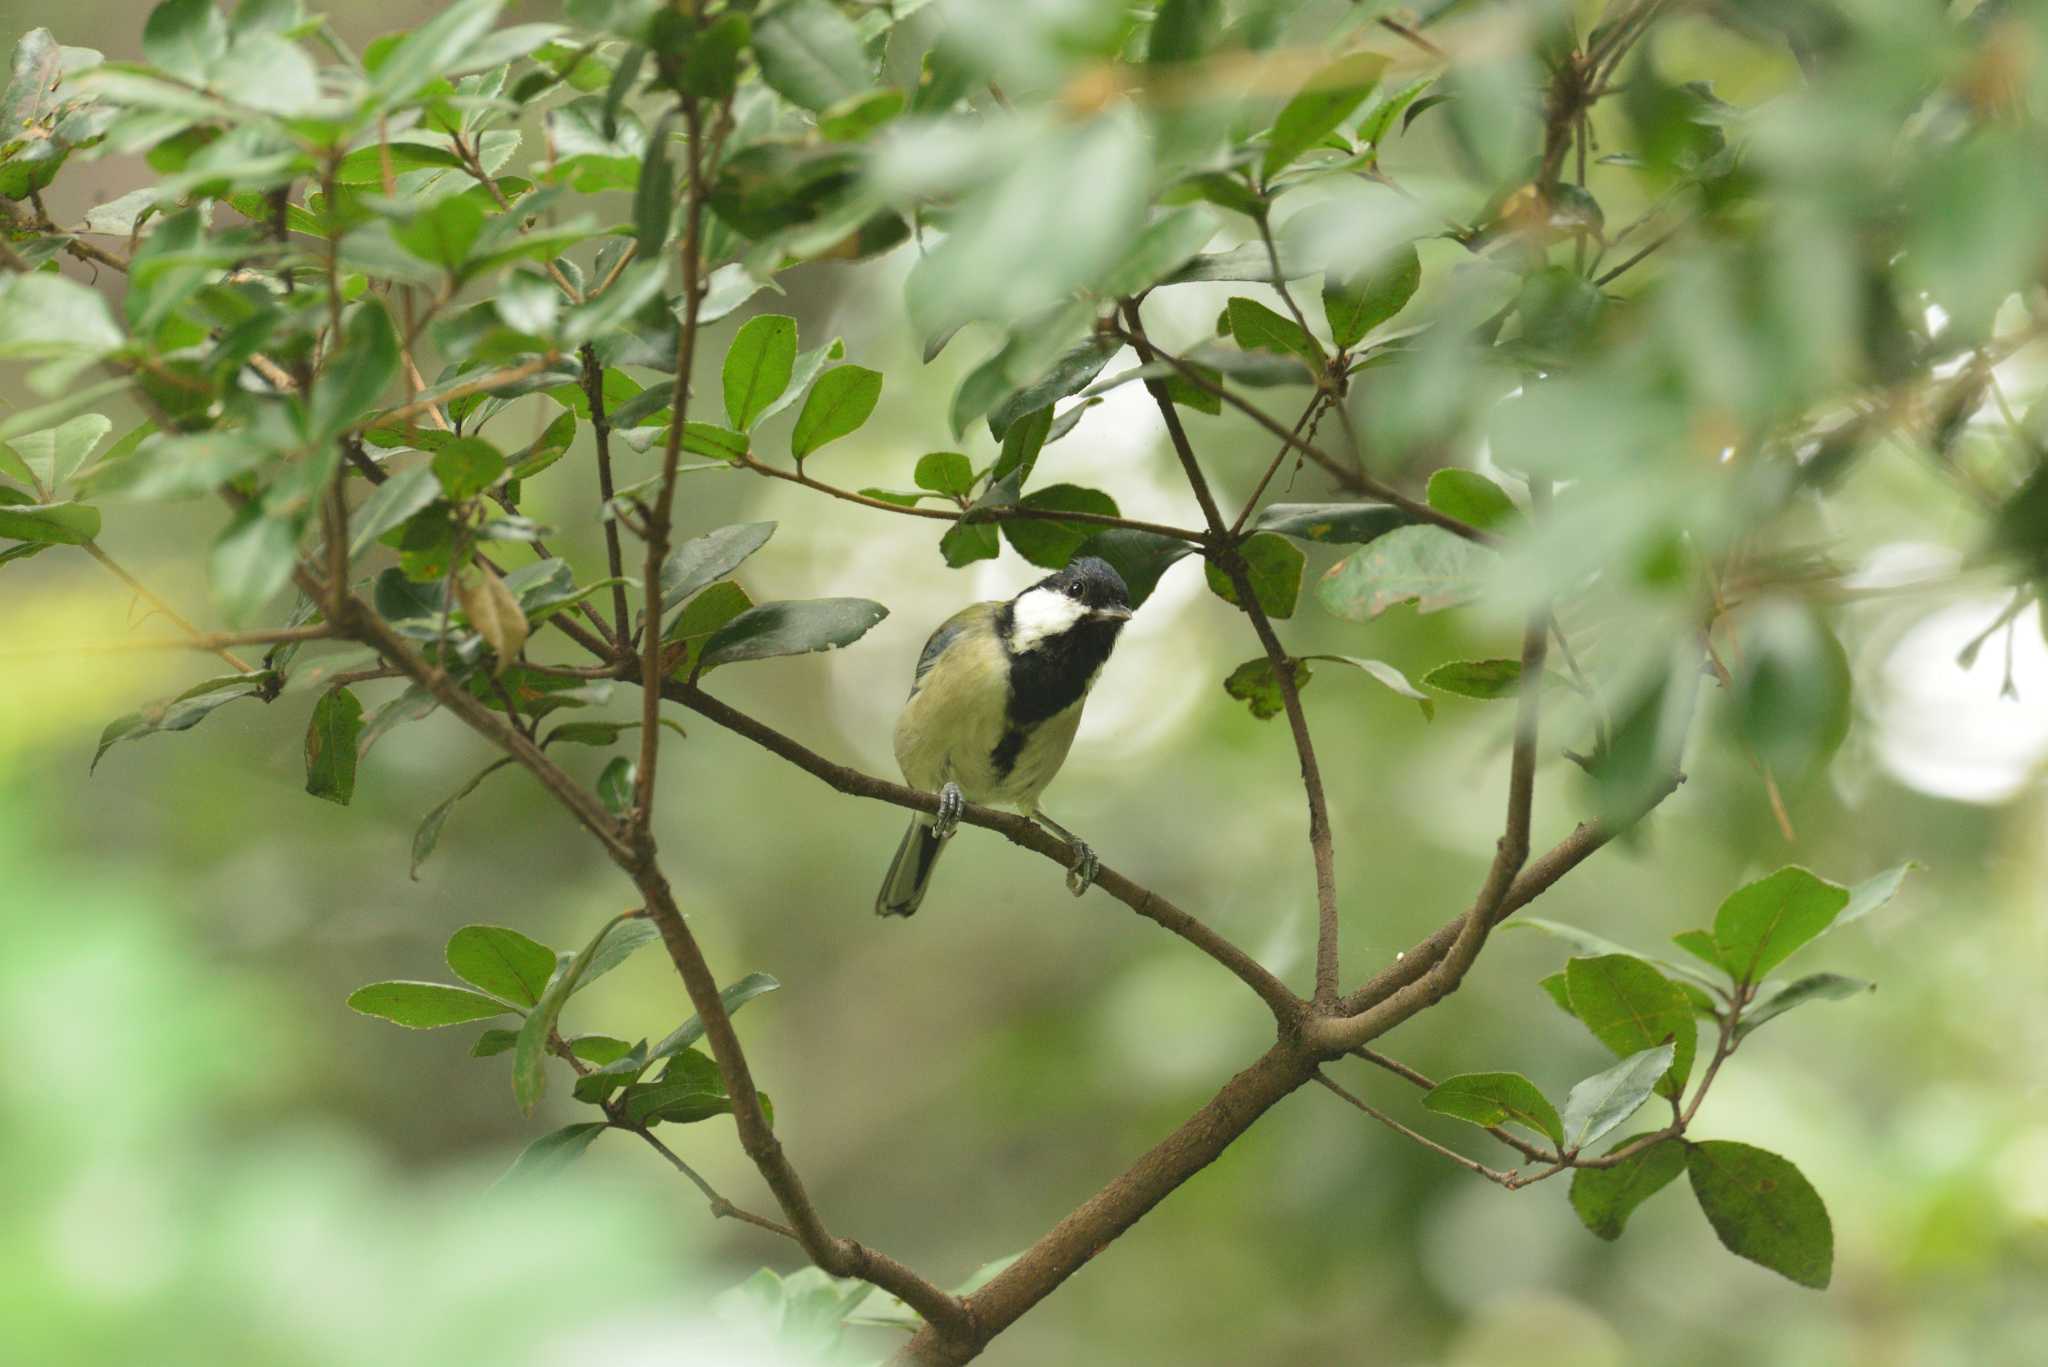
(992, 711)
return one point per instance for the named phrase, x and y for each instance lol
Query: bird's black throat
(1050, 677)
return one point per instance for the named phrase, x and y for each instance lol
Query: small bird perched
(993, 709)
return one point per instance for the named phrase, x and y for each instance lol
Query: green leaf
(1473, 499)
(595, 1086)
(1326, 101)
(348, 387)
(810, 54)
(1812, 988)
(428, 834)
(945, 472)
(1761, 924)
(1389, 677)
(166, 467)
(1873, 893)
(1763, 1209)
(442, 234)
(1257, 683)
(1700, 944)
(758, 367)
(1066, 376)
(1274, 565)
(1168, 243)
(331, 746)
(1605, 1197)
(838, 404)
(712, 556)
(654, 196)
(808, 364)
(853, 119)
(696, 623)
(185, 38)
(1249, 262)
(493, 1042)
(501, 962)
(689, 1091)
(1258, 328)
(1604, 1100)
(184, 711)
(467, 466)
(615, 786)
(1351, 524)
(529, 1079)
(42, 314)
(55, 454)
(394, 501)
(1047, 544)
(1426, 566)
(1492, 1098)
(1022, 441)
(1558, 990)
(624, 942)
(734, 996)
(1486, 680)
(551, 1153)
(1141, 557)
(424, 1006)
(1183, 30)
(1791, 694)
(1630, 1007)
(791, 628)
(966, 542)
(435, 47)
(64, 524)
(1359, 303)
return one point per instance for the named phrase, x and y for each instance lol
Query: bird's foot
(952, 802)
(1081, 873)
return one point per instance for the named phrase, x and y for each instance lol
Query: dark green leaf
(1068, 375)
(467, 466)
(1791, 700)
(855, 118)
(1048, 544)
(810, 54)
(1274, 565)
(1168, 243)
(1358, 304)
(1139, 556)
(654, 197)
(945, 472)
(529, 1079)
(1351, 524)
(1473, 499)
(615, 787)
(1250, 262)
(184, 711)
(1606, 1197)
(1426, 566)
(791, 628)
(1812, 988)
(1629, 1006)
(1183, 30)
(838, 404)
(331, 746)
(501, 962)
(1257, 683)
(62, 524)
(1486, 680)
(1764, 922)
(1326, 101)
(1493, 1098)
(1763, 1209)
(424, 1006)
(551, 1153)
(758, 367)
(1022, 441)
(1258, 328)
(1604, 1100)
(394, 501)
(701, 560)
(706, 613)
(347, 390)
(734, 996)
(966, 542)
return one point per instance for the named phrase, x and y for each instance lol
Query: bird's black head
(1094, 584)
(1058, 632)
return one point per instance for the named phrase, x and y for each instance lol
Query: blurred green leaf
(1630, 1007)
(501, 962)
(348, 387)
(184, 711)
(1274, 565)
(62, 524)
(1762, 923)
(467, 466)
(331, 746)
(839, 402)
(56, 454)
(1494, 1098)
(1183, 30)
(1602, 1101)
(654, 196)
(758, 367)
(1873, 893)
(1605, 1197)
(1791, 696)
(1357, 304)
(791, 628)
(1485, 680)
(553, 1152)
(1324, 102)
(615, 787)
(390, 505)
(424, 1006)
(428, 834)
(1473, 499)
(1763, 1209)
(435, 47)
(1258, 328)
(185, 38)
(1426, 566)
(1389, 677)
(810, 54)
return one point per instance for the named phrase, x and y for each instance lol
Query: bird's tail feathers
(910, 872)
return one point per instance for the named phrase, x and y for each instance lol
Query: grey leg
(1081, 873)
(952, 802)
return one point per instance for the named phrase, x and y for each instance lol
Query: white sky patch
(1944, 729)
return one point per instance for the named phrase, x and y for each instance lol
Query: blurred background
(210, 1159)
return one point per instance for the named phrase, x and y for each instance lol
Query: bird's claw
(1081, 873)
(952, 802)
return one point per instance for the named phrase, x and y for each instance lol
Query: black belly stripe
(1004, 757)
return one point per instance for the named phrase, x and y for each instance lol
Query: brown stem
(1505, 1179)
(593, 389)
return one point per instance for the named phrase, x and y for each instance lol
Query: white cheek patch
(1041, 613)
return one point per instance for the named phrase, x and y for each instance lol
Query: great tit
(993, 709)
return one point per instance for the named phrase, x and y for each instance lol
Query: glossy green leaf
(1351, 524)
(695, 624)
(1763, 1209)
(424, 1006)
(331, 746)
(1426, 566)
(1494, 1099)
(1605, 1197)
(791, 628)
(1764, 922)
(1604, 1100)
(839, 402)
(1629, 1007)
(501, 962)
(1357, 304)
(615, 787)
(1274, 565)
(758, 367)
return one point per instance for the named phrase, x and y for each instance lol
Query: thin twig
(1505, 1179)
(601, 429)
(142, 591)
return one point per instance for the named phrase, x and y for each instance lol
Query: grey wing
(948, 631)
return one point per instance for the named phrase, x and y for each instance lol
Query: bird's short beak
(1115, 614)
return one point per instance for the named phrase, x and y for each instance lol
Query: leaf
(1390, 677)
(1326, 101)
(61, 524)
(1762, 923)
(1258, 328)
(945, 472)
(1141, 557)
(467, 466)
(1330, 523)
(1791, 695)
(734, 996)
(758, 366)
(1022, 441)
(1763, 1209)
(706, 613)
(615, 787)
(1257, 683)
(1357, 304)
(424, 1006)
(624, 941)
(1426, 566)
(349, 385)
(550, 1153)
(714, 555)
(428, 834)
(690, 1091)
(55, 454)
(1183, 30)
(1068, 375)
(395, 500)
(496, 615)
(1274, 565)
(442, 234)
(1473, 499)
(501, 962)
(331, 746)
(1485, 680)
(1604, 1100)
(838, 404)
(808, 364)
(1048, 544)
(595, 1086)
(810, 54)
(654, 195)
(435, 47)
(184, 711)
(1873, 893)
(791, 628)
(1558, 990)
(1605, 1197)
(1630, 1007)
(43, 314)
(1700, 944)
(185, 38)
(1812, 988)
(1249, 262)
(1491, 1098)
(1167, 243)
(529, 1079)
